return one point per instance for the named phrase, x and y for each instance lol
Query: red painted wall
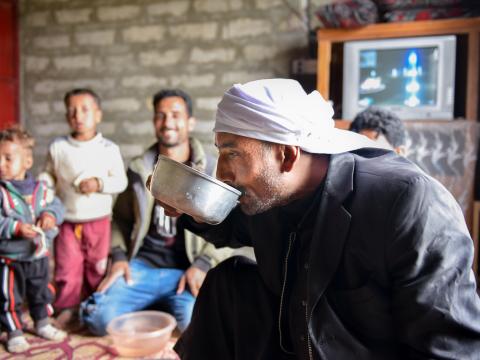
(9, 109)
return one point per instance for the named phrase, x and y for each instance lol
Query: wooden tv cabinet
(468, 27)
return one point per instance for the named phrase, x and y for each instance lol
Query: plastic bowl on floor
(141, 333)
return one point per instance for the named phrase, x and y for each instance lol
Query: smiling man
(360, 255)
(155, 261)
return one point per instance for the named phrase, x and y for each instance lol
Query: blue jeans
(151, 286)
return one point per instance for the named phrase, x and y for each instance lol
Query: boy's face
(15, 160)
(83, 115)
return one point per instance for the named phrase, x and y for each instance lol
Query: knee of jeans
(95, 314)
(182, 325)
(183, 312)
(183, 321)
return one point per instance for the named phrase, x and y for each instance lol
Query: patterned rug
(78, 346)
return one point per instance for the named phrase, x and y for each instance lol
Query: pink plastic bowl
(141, 333)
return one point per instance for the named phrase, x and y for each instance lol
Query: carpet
(79, 345)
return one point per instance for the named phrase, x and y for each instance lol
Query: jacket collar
(331, 228)
(198, 156)
(21, 187)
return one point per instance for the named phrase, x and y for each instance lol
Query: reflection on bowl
(192, 191)
(141, 333)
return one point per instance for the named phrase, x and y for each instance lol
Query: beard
(272, 193)
(168, 144)
(171, 141)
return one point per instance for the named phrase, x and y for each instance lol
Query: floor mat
(78, 346)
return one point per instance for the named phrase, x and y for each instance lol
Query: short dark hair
(18, 135)
(382, 121)
(82, 91)
(166, 93)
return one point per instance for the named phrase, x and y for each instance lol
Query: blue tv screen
(398, 77)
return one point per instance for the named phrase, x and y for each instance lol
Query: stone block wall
(127, 50)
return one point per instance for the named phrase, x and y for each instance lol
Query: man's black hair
(162, 94)
(382, 121)
(82, 91)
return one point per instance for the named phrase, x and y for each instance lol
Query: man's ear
(191, 123)
(98, 116)
(291, 154)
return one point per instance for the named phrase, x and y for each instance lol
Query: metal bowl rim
(203, 175)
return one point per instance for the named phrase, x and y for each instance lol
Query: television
(412, 77)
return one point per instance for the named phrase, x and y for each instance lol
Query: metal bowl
(192, 191)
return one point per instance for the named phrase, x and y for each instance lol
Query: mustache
(239, 188)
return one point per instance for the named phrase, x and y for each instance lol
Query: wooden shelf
(470, 27)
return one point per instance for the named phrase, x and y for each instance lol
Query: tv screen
(399, 77)
(414, 77)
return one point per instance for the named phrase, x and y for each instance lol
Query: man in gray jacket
(167, 263)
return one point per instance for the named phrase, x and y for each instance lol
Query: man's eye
(232, 154)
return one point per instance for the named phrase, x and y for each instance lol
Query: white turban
(280, 111)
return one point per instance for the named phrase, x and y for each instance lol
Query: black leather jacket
(389, 266)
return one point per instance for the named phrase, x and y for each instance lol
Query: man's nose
(223, 173)
(170, 121)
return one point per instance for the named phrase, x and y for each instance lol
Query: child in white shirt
(86, 170)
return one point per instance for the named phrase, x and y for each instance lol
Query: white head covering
(280, 111)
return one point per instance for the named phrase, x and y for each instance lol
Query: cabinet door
(8, 64)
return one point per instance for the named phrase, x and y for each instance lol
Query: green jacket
(133, 209)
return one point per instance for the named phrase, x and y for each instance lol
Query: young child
(86, 170)
(29, 214)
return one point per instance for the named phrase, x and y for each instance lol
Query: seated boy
(382, 126)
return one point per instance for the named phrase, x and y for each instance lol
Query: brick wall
(127, 50)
